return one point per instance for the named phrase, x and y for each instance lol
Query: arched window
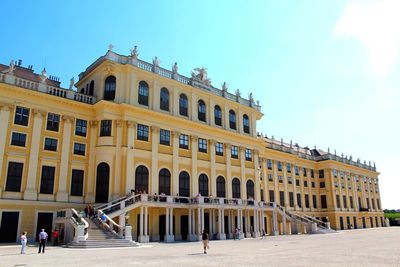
(82, 90)
(201, 110)
(250, 189)
(102, 182)
(87, 89)
(142, 179)
(236, 188)
(232, 119)
(164, 182)
(91, 88)
(203, 184)
(109, 88)
(143, 98)
(183, 105)
(184, 184)
(217, 115)
(220, 186)
(164, 99)
(246, 127)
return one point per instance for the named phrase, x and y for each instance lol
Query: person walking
(42, 240)
(205, 238)
(55, 237)
(24, 240)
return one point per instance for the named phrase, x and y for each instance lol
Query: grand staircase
(100, 238)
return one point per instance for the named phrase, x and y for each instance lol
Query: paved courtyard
(369, 247)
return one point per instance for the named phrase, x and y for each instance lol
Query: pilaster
(89, 198)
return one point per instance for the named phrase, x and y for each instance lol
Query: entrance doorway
(226, 226)
(363, 222)
(341, 223)
(44, 221)
(102, 182)
(9, 227)
(184, 227)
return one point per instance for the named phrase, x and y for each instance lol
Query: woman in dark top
(204, 237)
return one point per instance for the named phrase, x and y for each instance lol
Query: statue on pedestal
(134, 52)
(71, 83)
(175, 68)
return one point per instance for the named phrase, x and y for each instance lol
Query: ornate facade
(189, 149)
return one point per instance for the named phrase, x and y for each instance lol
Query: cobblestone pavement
(366, 247)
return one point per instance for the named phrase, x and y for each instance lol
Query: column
(141, 236)
(284, 223)
(229, 224)
(240, 121)
(175, 163)
(190, 222)
(166, 223)
(146, 216)
(210, 223)
(118, 164)
(285, 185)
(295, 192)
(154, 159)
(265, 179)
(202, 220)
(194, 179)
(275, 174)
(213, 177)
(193, 108)
(310, 194)
(242, 172)
(238, 219)
(5, 110)
(274, 223)
(171, 225)
(228, 171)
(62, 192)
(256, 222)
(257, 196)
(31, 191)
(130, 156)
(198, 223)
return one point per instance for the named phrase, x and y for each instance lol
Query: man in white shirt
(42, 240)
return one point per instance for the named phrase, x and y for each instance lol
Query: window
(279, 166)
(219, 149)
(203, 184)
(280, 179)
(81, 127)
(50, 144)
(21, 116)
(334, 173)
(201, 110)
(250, 189)
(312, 173)
(271, 196)
(165, 137)
(248, 154)
(351, 202)
(79, 149)
(296, 170)
(14, 176)
(313, 184)
(291, 199)
(297, 182)
(18, 139)
(282, 198)
(202, 145)
(345, 202)
(105, 128)
(143, 132)
(47, 180)
(269, 164)
(307, 200)
(270, 177)
(164, 99)
(183, 105)
(290, 180)
(184, 141)
(323, 202)
(184, 184)
(314, 200)
(305, 183)
(321, 173)
(288, 168)
(164, 182)
(236, 188)
(232, 119)
(304, 172)
(53, 122)
(298, 200)
(110, 87)
(246, 127)
(77, 183)
(322, 185)
(217, 115)
(234, 152)
(143, 97)
(91, 88)
(220, 186)
(142, 179)
(338, 201)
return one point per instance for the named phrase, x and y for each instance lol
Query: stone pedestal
(221, 236)
(169, 238)
(144, 239)
(128, 232)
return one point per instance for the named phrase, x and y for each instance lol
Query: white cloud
(376, 25)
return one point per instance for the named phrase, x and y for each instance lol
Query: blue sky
(326, 72)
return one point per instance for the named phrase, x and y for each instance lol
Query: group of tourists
(42, 237)
(89, 211)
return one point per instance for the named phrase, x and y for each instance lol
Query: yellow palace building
(163, 156)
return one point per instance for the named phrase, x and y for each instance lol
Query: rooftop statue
(11, 67)
(134, 52)
(156, 62)
(110, 47)
(237, 92)
(200, 74)
(224, 87)
(71, 83)
(175, 68)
